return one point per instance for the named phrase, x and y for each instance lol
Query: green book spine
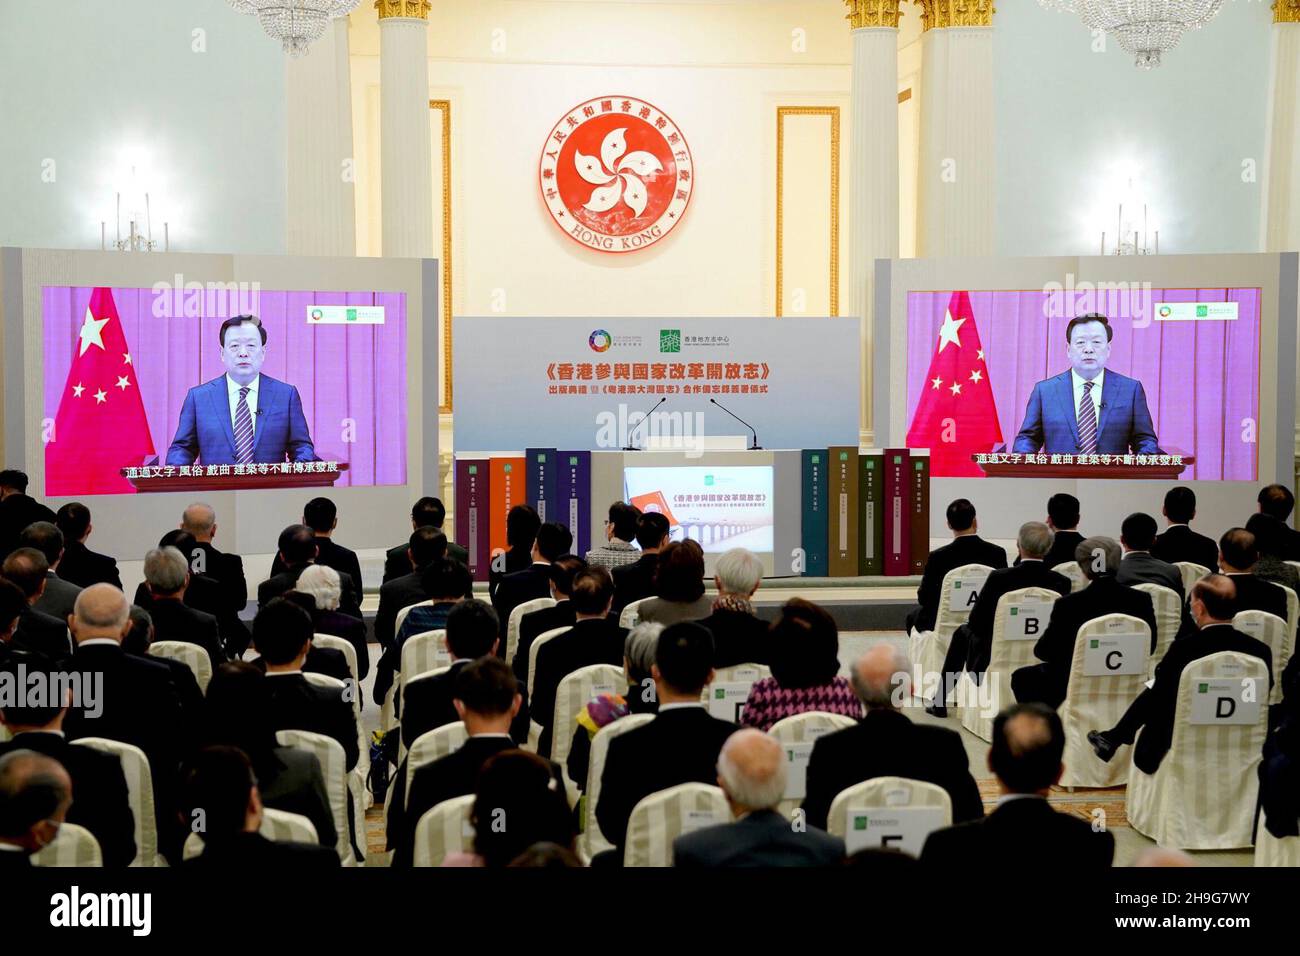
(871, 492)
(843, 513)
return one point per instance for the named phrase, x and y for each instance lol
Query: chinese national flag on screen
(956, 416)
(100, 427)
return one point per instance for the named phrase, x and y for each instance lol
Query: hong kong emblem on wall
(616, 174)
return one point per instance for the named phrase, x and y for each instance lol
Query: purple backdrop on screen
(342, 372)
(1201, 378)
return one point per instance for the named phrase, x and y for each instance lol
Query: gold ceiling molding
(938, 14)
(1286, 11)
(409, 9)
(873, 13)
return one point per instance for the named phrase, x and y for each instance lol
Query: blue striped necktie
(1087, 421)
(243, 430)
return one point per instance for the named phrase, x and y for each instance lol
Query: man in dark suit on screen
(1088, 409)
(243, 416)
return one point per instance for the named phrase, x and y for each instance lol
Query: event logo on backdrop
(616, 174)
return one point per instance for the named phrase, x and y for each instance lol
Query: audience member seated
(426, 545)
(972, 642)
(1063, 519)
(237, 714)
(739, 636)
(1271, 538)
(320, 660)
(552, 541)
(35, 794)
(59, 595)
(13, 603)
(604, 709)
(522, 523)
(967, 547)
(204, 593)
(679, 586)
(563, 570)
(752, 773)
(282, 635)
(321, 515)
(37, 632)
(1099, 559)
(79, 564)
(636, 579)
(620, 532)
(298, 547)
(595, 638)
(17, 509)
(1277, 501)
(103, 806)
(1138, 566)
(886, 743)
(323, 584)
(1279, 777)
(680, 745)
(220, 785)
(168, 575)
(1179, 542)
(200, 522)
(427, 513)
(137, 641)
(445, 581)
(1023, 834)
(805, 670)
(1214, 602)
(525, 790)
(1238, 557)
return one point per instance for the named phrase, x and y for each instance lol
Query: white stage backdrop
(586, 383)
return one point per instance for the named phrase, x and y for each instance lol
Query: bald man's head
(101, 611)
(1028, 742)
(879, 675)
(752, 770)
(1214, 600)
(199, 520)
(35, 792)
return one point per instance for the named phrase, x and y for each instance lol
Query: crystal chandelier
(295, 23)
(1145, 28)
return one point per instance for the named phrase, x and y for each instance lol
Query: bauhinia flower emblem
(617, 174)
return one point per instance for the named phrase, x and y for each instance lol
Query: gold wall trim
(906, 95)
(445, 107)
(1286, 11)
(834, 113)
(873, 13)
(410, 9)
(940, 14)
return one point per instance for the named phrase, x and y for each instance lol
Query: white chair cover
(660, 818)
(74, 846)
(1169, 616)
(726, 695)
(1294, 564)
(1292, 619)
(433, 745)
(139, 788)
(401, 742)
(333, 769)
(1097, 703)
(927, 649)
(592, 841)
(1272, 630)
(191, 655)
(342, 645)
(1072, 571)
(401, 615)
(361, 796)
(279, 826)
(1203, 794)
(1271, 851)
(571, 696)
(444, 828)
(888, 793)
(629, 616)
(534, 728)
(517, 615)
(1005, 656)
(1191, 572)
(797, 735)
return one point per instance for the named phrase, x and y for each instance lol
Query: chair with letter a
(886, 794)
(1072, 571)
(592, 841)
(1099, 700)
(1169, 617)
(516, 616)
(927, 649)
(798, 733)
(444, 829)
(74, 846)
(1203, 794)
(660, 818)
(1191, 573)
(191, 655)
(139, 788)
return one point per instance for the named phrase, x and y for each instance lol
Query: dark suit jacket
(1279, 778)
(593, 641)
(1291, 551)
(341, 559)
(1124, 424)
(516, 560)
(16, 513)
(185, 684)
(297, 704)
(205, 593)
(1139, 568)
(427, 704)
(1181, 543)
(679, 746)
(228, 570)
(1062, 550)
(205, 433)
(738, 638)
(397, 562)
(43, 634)
(59, 597)
(887, 744)
(320, 660)
(535, 623)
(517, 587)
(292, 781)
(351, 629)
(254, 853)
(395, 594)
(83, 567)
(979, 627)
(760, 839)
(965, 549)
(634, 581)
(273, 587)
(1023, 835)
(175, 621)
(100, 801)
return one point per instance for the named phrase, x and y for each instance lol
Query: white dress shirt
(232, 389)
(1096, 395)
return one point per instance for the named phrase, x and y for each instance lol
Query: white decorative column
(406, 160)
(322, 210)
(873, 167)
(955, 183)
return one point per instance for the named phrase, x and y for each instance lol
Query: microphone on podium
(645, 418)
(754, 446)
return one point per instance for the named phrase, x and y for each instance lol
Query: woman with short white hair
(326, 589)
(739, 636)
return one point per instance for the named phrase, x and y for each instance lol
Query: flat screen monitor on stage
(720, 507)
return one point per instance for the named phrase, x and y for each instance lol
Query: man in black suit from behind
(886, 743)
(203, 593)
(1137, 535)
(35, 794)
(1237, 556)
(59, 595)
(534, 581)
(635, 581)
(563, 571)
(297, 548)
(36, 632)
(522, 523)
(428, 512)
(967, 547)
(137, 641)
(1099, 559)
(1277, 501)
(680, 745)
(321, 515)
(219, 783)
(1023, 834)
(12, 604)
(103, 806)
(319, 660)
(426, 545)
(752, 773)
(739, 635)
(1063, 519)
(1214, 602)
(79, 564)
(17, 509)
(1179, 542)
(167, 576)
(972, 643)
(200, 520)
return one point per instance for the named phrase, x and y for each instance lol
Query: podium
(158, 479)
(1002, 465)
